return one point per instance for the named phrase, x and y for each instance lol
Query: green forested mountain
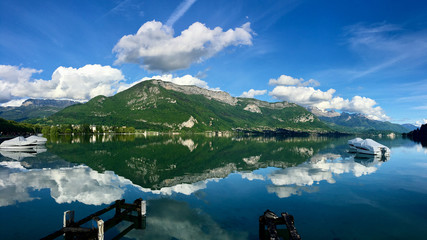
(8, 127)
(34, 108)
(164, 106)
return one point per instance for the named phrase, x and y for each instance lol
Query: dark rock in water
(418, 135)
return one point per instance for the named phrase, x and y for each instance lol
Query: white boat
(353, 142)
(18, 143)
(39, 140)
(369, 146)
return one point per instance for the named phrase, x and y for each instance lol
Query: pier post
(100, 225)
(68, 218)
(143, 207)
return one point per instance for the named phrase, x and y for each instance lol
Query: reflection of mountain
(164, 162)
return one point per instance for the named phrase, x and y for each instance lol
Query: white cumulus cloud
(10, 77)
(154, 46)
(66, 83)
(252, 93)
(300, 92)
(285, 80)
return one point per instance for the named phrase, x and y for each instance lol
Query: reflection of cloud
(324, 157)
(287, 191)
(321, 167)
(12, 165)
(305, 174)
(66, 185)
(184, 188)
(169, 219)
(252, 176)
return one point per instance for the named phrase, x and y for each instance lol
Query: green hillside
(8, 127)
(164, 106)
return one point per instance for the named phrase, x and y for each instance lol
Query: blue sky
(358, 56)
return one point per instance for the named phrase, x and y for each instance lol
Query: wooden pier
(268, 227)
(134, 213)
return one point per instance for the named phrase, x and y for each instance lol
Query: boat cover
(354, 141)
(372, 146)
(40, 140)
(18, 141)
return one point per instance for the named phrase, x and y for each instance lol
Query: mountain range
(356, 122)
(33, 109)
(165, 106)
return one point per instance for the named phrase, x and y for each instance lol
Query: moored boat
(18, 143)
(353, 142)
(369, 146)
(39, 140)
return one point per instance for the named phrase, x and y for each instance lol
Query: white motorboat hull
(17, 148)
(368, 146)
(18, 143)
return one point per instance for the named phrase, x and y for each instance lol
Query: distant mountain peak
(47, 103)
(220, 96)
(355, 122)
(323, 113)
(34, 108)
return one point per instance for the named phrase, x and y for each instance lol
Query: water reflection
(216, 188)
(168, 166)
(20, 154)
(160, 162)
(321, 167)
(170, 219)
(66, 185)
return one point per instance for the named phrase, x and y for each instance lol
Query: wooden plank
(71, 227)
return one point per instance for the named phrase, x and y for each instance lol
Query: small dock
(134, 213)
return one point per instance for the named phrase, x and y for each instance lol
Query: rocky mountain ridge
(159, 105)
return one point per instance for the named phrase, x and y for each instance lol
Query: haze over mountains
(165, 106)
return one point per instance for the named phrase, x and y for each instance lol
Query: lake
(199, 187)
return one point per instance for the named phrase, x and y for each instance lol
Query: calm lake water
(216, 188)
